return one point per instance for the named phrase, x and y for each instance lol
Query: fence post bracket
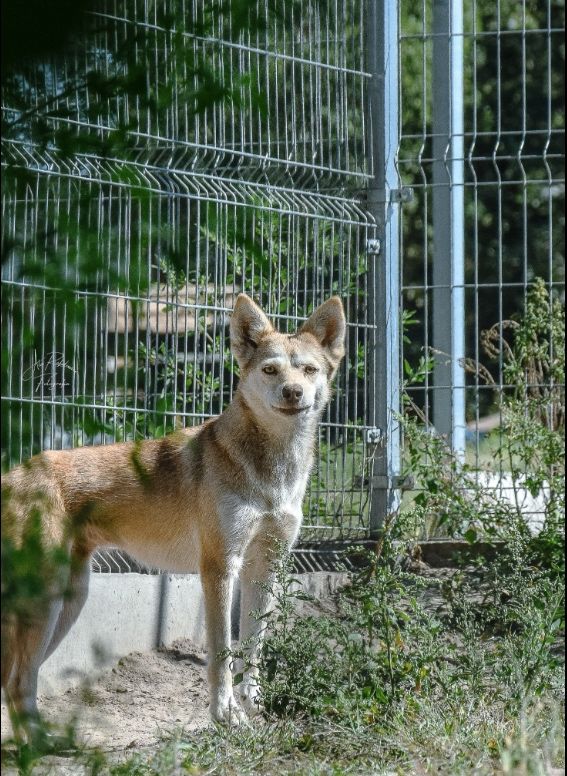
(374, 436)
(403, 195)
(373, 246)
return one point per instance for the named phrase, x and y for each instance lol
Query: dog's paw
(250, 697)
(227, 711)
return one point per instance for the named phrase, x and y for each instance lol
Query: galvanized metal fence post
(384, 199)
(448, 223)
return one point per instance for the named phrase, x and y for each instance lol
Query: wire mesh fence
(174, 157)
(482, 147)
(122, 267)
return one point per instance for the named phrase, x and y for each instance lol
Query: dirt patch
(133, 704)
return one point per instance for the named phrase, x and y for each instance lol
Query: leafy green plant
(458, 498)
(351, 665)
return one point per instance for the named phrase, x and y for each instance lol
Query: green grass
(428, 737)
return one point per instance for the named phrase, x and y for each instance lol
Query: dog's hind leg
(73, 602)
(35, 638)
(32, 636)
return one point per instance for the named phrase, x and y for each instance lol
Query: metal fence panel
(259, 192)
(482, 146)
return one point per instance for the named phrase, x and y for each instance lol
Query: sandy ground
(131, 705)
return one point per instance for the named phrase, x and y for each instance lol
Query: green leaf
(471, 535)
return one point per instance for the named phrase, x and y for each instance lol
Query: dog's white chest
(281, 497)
(283, 490)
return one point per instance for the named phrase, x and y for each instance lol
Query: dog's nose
(292, 393)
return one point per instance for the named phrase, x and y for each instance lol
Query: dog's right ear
(248, 325)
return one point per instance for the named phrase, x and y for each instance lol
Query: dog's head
(282, 375)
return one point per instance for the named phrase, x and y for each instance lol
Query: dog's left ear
(248, 324)
(327, 324)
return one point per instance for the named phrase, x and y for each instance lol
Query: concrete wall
(123, 614)
(135, 613)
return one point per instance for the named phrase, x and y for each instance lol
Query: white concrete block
(121, 615)
(513, 491)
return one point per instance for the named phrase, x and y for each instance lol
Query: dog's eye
(310, 370)
(269, 370)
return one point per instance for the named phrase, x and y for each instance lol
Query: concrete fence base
(136, 613)
(125, 613)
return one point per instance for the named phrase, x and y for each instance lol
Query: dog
(218, 499)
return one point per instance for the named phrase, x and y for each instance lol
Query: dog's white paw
(250, 697)
(227, 711)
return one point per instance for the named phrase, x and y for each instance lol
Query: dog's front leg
(218, 583)
(256, 581)
(256, 595)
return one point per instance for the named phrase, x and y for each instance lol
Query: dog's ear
(248, 325)
(327, 324)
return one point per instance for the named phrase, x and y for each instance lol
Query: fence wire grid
(482, 147)
(256, 193)
(120, 267)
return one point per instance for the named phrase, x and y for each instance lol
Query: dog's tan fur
(215, 499)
